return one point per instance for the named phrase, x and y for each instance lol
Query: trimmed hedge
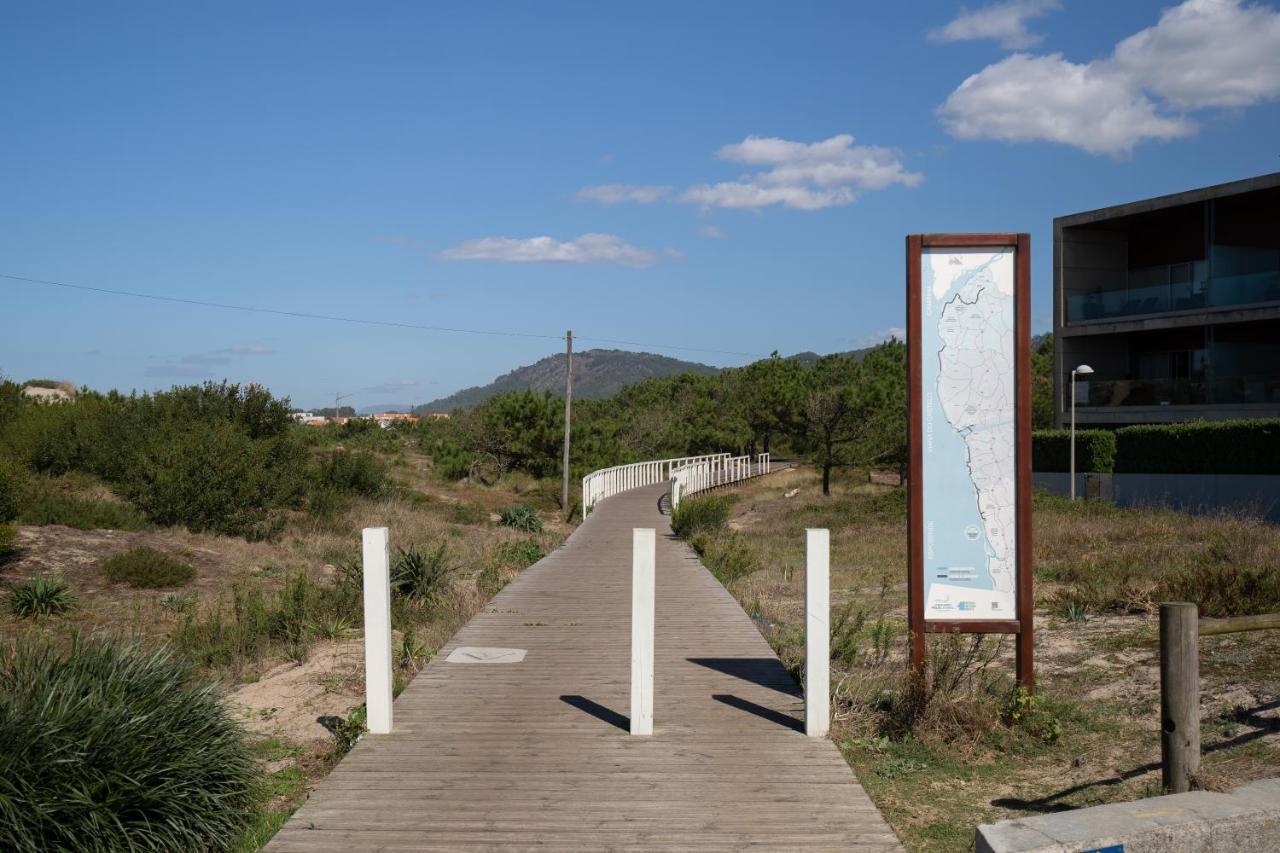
(1095, 450)
(1200, 447)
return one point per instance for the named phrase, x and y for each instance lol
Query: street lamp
(1082, 370)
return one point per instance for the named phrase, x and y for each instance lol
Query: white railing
(687, 475)
(608, 482)
(701, 475)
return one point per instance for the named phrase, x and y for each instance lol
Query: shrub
(1200, 447)
(1225, 589)
(211, 476)
(38, 598)
(521, 517)
(111, 747)
(420, 575)
(8, 494)
(147, 568)
(519, 555)
(8, 536)
(352, 472)
(1095, 450)
(727, 555)
(45, 503)
(701, 515)
(461, 512)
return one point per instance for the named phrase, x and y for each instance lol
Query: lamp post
(1082, 370)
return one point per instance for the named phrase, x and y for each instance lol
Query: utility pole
(568, 402)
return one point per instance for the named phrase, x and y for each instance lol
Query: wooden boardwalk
(535, 755)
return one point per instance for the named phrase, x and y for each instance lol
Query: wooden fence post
(1179, 696)
(377, 629)
(817, 633)
(642, 619)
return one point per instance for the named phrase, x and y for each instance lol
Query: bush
(39, 598)
(519, 555)
(111, 747)
(1200, 447)
(353, 472)
(8, 536)
(147, 568)
(1225, 590)
(420, 575)
(44, 501)
(1095, 450)
(522, 517)
(211, 476)
(727, 555)
(8, 494)
(701, 515)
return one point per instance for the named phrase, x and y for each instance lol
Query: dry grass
(963, 748)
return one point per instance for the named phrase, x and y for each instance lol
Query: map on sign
(968, 404)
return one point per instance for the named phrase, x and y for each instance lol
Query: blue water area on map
(950, 498)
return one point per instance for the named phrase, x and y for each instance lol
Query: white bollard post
(377, 629)
(817, 636)
(642, 594)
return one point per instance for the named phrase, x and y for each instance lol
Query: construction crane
(337, 403)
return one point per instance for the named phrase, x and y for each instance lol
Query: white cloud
(587, 249)
(803, 176)
(1202, 53)
(618, 193)
(711, 232)
(1006, 22)
(1207, 53)
(1027, 98)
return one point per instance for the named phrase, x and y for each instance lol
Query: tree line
(839, 411)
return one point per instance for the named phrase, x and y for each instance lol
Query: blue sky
(718, 176)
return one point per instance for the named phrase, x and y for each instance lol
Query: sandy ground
(287, 701)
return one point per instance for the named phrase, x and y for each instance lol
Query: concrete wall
(1247, 820)
(1194, 493)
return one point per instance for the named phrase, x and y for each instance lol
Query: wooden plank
(536, 754)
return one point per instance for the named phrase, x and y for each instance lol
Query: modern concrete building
(1175, 304)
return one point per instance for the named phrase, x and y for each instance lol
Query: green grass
(39, 598)
(147, 568)
(276, 795)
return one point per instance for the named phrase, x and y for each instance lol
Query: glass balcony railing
(1252, 388)
(1218, 292)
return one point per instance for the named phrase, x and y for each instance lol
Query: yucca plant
(39, 598)
(522, 517)
(420, 575)
(107, 746)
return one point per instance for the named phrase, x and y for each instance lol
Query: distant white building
(308, 418)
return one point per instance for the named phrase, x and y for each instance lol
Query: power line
(307, 315)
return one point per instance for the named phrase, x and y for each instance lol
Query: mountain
(597, 373)
(386, 407)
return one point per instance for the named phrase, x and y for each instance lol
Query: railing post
(642, 620)
(817, 633)
(377, 629)
(1179, 696)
